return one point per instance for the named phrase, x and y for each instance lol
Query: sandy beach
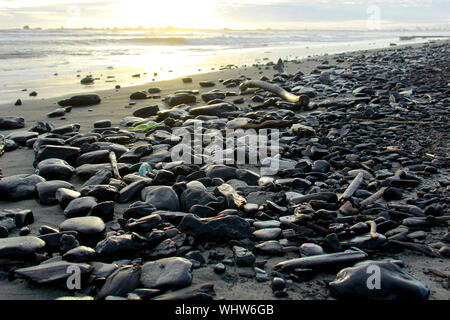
(240, 283)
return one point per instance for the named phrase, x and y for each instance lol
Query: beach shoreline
(238, 284)
(61, 81)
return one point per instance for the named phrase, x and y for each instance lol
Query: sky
(213, 14)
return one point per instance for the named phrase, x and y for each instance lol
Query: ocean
(52, 62)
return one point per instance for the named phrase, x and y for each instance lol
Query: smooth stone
(101, 192)
(219, 228)
(138, 210)
(19, 187)
(52, 272)
(394, 283)
(220, 268)
(310, 249)
(52, 169)
(121, 245)
(102, 123)
(103, 210)
(80, 207)
(60, 112)
(146, 112)
(93, 157)
(81, 100)
(69, 154)
(64, 196)
(221, 171)
(302, 130)
(19, 217)
(213, 95)
(266, 224)
(243, 257)
(195, 196)
(80, 254)
(269, 248)
(127, 193)
(83, 225)
(267, 234)
(21, 137)
(161, 197)
(20, 247)
(7, 123)
(86, 171)
(121, 282)
(47, 190)
(181, 98)
(101, 177)
(167, 273)
(139, 95)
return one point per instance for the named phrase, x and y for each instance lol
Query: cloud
(246, 13)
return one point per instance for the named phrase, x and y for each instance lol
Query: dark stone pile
(362, 177)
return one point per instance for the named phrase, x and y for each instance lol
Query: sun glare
(176, 13)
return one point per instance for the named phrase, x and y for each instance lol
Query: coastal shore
(240, 282)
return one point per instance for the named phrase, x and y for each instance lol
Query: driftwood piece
(302, 100)
(416, 247)
(354, 185)
(328, 261)
(115, 169)
(377, 195)
(373, 229)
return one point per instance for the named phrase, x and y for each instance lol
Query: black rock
(81, 100)
(167, 273)
(64, 196)
(52, 169)
(80, 207)
(21, 137)
(269, 248)
(161, 197)
(83, 225)
(7, 123)
(80, 254)
(100, 177)
(127, 193)
(52, 271)
(60, 112)
(69, 154)
(139, 95)
(102, 123)
(138, 210)
(102, 192)
(360, 282)
(195, 196)
(121, 282)
(243, 257)
(93, 157)
(146, 112)
(20, 247)
(144, 224)
(181, 98)
(221, 228)
(103, 210)
(47, 190)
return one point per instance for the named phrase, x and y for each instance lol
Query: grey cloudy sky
(223, 13)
